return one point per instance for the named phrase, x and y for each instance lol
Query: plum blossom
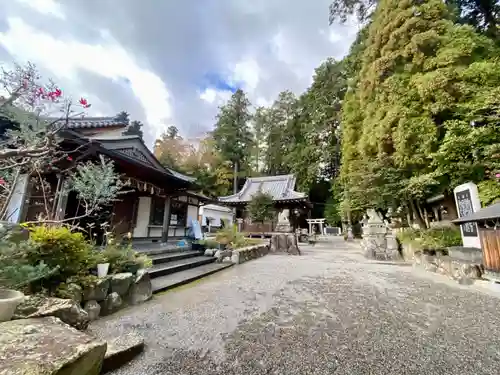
(84, 103)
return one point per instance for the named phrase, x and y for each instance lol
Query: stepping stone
(121, 350)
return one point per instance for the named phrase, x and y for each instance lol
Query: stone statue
(378, 239)
(374, 217)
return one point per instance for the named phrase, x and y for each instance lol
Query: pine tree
(135, 128)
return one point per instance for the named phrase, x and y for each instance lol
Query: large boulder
(284, 243)
(112, 303)
(121, 350)
(74, 292)
(221, 254)
(93, 309)
(97, 292)
(292, 245)
(120, 283)
(47, 346)
(68, 310)
(141, 289)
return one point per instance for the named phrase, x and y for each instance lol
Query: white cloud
(263, 102)
(48, 7)
(246, 73)
(65, 57)
(209, 95)
(215, 97)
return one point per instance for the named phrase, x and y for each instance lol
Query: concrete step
(170, 257)
(163, 269)
(161, 284)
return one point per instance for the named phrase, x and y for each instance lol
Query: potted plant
(102, 265)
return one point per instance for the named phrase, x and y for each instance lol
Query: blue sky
(171, 62)
(218, 82)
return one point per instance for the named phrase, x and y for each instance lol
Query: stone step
(121, 350)
(154, 243)
(161, 284)
(164, 249)
(163, 269)
(170, 257)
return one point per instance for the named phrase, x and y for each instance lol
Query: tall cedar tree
(483, 15)
(423, 115)
(278, 141)
(232, 135)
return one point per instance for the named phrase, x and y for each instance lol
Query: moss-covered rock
(47, 346)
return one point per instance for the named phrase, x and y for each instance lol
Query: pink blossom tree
(33, 114)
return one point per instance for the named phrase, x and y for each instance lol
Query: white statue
(374, 217)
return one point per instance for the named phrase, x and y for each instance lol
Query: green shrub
(433, 238)
(439, 238)
(210, 244)
(16, 271)
(123, 258)
(231, 237)
(408, 235)
(57, 246)
(85, 281)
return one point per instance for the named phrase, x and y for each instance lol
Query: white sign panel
(467, 201)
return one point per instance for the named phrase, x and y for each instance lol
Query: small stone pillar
(240, 222)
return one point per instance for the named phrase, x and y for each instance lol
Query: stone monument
(378, 240)
(283, 224)
(467, 201)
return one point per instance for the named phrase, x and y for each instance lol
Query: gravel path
(329, 311)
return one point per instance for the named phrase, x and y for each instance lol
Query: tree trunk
(235, 177)
(235, 186)
(417, 214)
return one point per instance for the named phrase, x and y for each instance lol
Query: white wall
(217, 213)
(143, 212)
(192, 214)
(117, 132)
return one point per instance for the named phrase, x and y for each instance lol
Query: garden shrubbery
(233, 239)
(431, 239)
(54, 256)
(58, 246)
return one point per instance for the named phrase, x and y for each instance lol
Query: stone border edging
(245, 254)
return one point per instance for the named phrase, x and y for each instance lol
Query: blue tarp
(195, 230)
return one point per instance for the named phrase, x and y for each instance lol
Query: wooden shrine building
(159, 203)
(290, 204)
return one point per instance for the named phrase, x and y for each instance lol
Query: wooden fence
(490, 241)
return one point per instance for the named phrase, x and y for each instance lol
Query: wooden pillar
(14, 209)
(166, 220)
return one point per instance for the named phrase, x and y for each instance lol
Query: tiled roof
(94, 122)
(484, 214)
(279, 187)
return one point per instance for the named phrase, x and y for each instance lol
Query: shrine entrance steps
(176, 266)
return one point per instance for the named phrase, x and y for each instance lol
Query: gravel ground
(329, 311)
